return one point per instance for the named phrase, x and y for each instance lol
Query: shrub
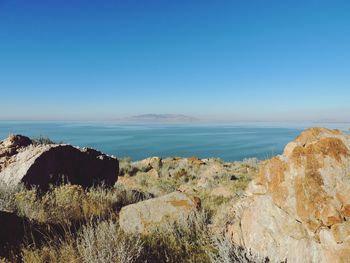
(186, 240)
(211, 204)
(100, 242)
(65, 203)
(105, 242)
(251, 162)
(7, 195)
(27, 204)
(59, 205)
(126, 167)
(228, 252)
(55, 252)
(42, 140)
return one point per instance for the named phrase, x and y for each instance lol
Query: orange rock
(313, 134)
(272, 175)
(308, 184)
(341, 232)
(195, 160)
(346, 210)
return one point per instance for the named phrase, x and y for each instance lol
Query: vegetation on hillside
(71, 224)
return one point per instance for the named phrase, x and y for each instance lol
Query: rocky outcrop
(144, 216)
(298, 207)
(148, 164)
(10, 146)
(41, 165)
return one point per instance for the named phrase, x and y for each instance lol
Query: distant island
(162, 118)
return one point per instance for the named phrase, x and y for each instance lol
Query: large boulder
(144, 216)
(41, 165)
(298, 208)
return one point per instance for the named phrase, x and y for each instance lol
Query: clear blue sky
(223, 60)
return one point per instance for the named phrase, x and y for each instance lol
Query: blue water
(227, 141)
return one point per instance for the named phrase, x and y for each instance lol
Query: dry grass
(227, 252)
(186, 240)
(97, 237)
(105, 242)
(175, 172)
(7, 195)
(66, 203)
(101, 242)
(55, 253)
(75, 224)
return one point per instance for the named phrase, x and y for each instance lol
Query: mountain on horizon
(161, 118)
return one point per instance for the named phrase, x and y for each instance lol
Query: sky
(214, 60)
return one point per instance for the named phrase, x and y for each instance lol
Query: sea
(227, 141)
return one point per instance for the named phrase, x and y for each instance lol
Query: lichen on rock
(303, 213)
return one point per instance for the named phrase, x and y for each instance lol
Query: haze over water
(227, 141)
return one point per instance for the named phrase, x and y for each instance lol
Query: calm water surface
(226, 141)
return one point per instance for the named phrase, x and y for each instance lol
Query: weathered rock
(298, 208)
(15, 141)
(148, 164)
(10, 147)
(212, 169)
(42, 165)
(142, 217)
(194, 160)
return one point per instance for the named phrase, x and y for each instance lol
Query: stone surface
(144, 216)
(42, 165)
(298, 208)
(194, 160)
(10, 146)
(147, 164)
